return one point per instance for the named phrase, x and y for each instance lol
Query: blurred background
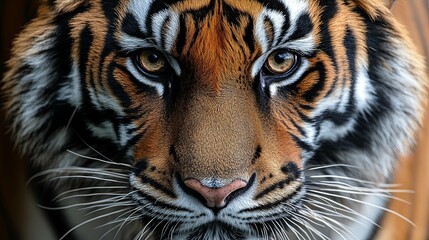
(21, 219)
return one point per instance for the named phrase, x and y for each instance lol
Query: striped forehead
(155, 23)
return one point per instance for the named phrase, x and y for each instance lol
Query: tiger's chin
(216, 230)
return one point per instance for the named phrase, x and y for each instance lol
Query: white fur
(158, 86)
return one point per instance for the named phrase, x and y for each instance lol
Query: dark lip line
(138, 197)
(298, 190)
(277, 185)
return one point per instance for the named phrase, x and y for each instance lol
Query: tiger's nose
(215, 195)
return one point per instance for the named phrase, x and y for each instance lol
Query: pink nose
(215, 197)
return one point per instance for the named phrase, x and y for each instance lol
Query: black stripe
(109, 8)
(117, 88)
(303, 27)
(330, 9)
(299, 128)
(341, 118)
(262, 95)
(248, 37)
(131, 27)
(303, 145)
(157, 203)
(232, 14)
(270, 206)
(181, 38)
(132, 142)
(157, 186)
(201, 13)
(319, 86)
(281, 184)
(234, 37)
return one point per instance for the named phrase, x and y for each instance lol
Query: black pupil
(281, 57)
(153, 58)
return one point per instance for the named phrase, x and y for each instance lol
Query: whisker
(344, 208)
(363, 193)
(75, 170)
(71, 118)
(88, 221)
(77, 204)
(89, 195)
(332, 166)
(118, 202)
(294, 230)
(87, 177)
(95, 150)
(326, 223)
(108, 232)
(309, 228)
(86, 189)
(350, 179)
(128, 220)
(100, 160)
(331, 212)
(299, 227)
(102, 207)
(366, 203)
(143, 231)
(378, 188)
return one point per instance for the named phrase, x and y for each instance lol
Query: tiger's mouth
(183, 212)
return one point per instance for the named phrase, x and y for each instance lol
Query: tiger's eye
(152, 61)
(281, 62)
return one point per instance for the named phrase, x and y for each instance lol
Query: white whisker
(88, 188)
(359, 188)
(344, 208)
(363, 193)
(100, 160)
(89, 195)
(366, 203)
(88, 221)
(333, 166)
(87, 177)
(350, 179)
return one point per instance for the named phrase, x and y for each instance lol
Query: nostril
(215, 197)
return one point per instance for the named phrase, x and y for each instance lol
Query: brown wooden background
(414, 173)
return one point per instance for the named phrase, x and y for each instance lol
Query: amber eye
(152, 61)
(281, 62)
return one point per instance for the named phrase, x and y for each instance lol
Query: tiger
(215, 119)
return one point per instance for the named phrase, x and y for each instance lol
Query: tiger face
(218, 119)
